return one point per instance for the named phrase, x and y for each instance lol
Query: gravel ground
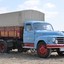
(29, 58)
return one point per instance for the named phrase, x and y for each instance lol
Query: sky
(53, 9)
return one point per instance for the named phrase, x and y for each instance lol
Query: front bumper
(55, 45)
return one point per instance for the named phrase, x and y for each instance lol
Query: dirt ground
(29, 58)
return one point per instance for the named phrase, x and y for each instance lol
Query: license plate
(61, 49)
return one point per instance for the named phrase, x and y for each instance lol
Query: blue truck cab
(40, 35)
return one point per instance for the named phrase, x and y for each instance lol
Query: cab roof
(31, 22)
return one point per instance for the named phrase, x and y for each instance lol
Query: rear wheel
(3, 46)
(42, 51)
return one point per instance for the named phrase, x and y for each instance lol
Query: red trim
(29, 44)
(55, 45)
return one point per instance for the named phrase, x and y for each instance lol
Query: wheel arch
(41, 41)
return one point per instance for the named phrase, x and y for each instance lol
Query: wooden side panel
(1, 31)
(13, 31)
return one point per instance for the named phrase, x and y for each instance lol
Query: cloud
(3, 10)
(50, 11)
(29, 4)
(49, 5)
(51, 15)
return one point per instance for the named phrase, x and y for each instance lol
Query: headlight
(55, 41)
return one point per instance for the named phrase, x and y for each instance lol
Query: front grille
(60, 40)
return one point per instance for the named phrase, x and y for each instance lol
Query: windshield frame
(43, 24)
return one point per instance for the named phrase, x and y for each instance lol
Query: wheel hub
(1, 47)
(42, 50)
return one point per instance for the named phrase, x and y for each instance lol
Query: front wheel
(42, 51)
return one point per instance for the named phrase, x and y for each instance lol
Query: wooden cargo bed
(12, 31)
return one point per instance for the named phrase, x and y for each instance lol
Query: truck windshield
(43, 26)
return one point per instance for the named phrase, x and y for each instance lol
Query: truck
(32, 34)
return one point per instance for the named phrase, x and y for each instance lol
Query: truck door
(28, 36)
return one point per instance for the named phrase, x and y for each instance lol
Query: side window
(28, 27)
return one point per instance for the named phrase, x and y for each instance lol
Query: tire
(3, 46)
(60, 53)
(25, 49)
(42, 51)
(8, 50)
(22, 50)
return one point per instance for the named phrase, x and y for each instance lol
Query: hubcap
(1, 47)
(42, 50)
